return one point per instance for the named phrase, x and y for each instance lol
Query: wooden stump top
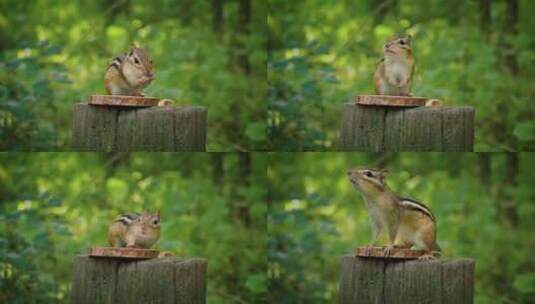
(123, 101)
(126, 253)
(395, 253)
(391, 101)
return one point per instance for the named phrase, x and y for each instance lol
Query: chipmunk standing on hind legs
(393, 75)
(408, 223)
(395, 70)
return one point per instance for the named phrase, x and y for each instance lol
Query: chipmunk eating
(407, 222)
(129, 73)
(135, 230)
(393, 75)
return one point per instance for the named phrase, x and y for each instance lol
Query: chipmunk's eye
(155, 222)
(368, 174)
(136, 61)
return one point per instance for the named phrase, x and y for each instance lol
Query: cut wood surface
(166, 128)
(385, 281)
(378, 129)
(394, 253)
(162, 280)
(124, 101)
(391, 101)
(128, 253)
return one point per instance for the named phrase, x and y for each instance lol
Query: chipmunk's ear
(158, 214)
(133, 47)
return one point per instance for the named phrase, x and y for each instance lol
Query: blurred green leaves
(28, 81)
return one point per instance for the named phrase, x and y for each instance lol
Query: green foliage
(324, 53)
(51, 60)
(55, 206)
(29, 80)
(27, 258)
(315, 217)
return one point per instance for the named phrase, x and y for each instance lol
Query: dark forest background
(475, 52)
(54, 53)
(484, 205)
(56, 205)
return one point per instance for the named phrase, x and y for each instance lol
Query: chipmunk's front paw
(387, 251)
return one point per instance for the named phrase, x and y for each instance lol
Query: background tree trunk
(485, 17)
(218, 18)
(218, 175)
(509, 205)
(244, 20)
(511, 30)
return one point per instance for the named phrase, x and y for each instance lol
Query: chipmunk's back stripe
(117, 61)
(124, 221)
(132, 216)
(128, 218)
(415, 205)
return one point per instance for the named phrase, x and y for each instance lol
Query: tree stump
(168, 128)
(378, 129)
(383, 281)
(165, 280)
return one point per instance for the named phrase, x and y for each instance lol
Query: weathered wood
(376, 129)
(391, 101)
(166, 280)
(393, 253)
(382, 281)
(166, 128)
(127, 253)
(124, 101)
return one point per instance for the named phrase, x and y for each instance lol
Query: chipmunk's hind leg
(426, 240)
(402, 243)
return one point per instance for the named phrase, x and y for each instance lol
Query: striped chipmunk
(135, 230)
(407, 222)
(129, 73)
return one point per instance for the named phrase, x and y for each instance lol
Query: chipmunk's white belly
(397, 74)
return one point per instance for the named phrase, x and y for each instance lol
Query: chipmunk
(129, 73)
(407, 222)
(135, 230)
(393, 75)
